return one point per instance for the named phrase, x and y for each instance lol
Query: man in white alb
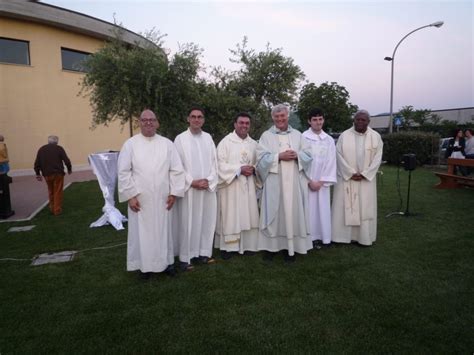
(237, 218)
(354, 208)
(150, 177)
(197, 210)
(322, 176)
(283, 165)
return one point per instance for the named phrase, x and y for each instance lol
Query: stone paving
(29, 196)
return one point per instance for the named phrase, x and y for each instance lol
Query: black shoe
(184, 266)
(206, 260)
(317, 244)
(289, 259)
(225, 255)
(268, 255)
(170, 271)
(145, 276)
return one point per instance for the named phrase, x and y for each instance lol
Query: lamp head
(388, 59)
(437, 24)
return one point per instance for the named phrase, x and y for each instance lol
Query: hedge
(424, 145)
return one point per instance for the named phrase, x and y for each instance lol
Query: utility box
(5, 202)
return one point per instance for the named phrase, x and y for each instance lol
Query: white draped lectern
(104, 166)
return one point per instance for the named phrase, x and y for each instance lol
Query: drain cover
(52, 258)
(21, 229)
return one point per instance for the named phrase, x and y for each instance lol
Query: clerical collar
(275, 130)
(359, 133)
(195, 134)
(314, 136)
(148, 138)
(237, 136)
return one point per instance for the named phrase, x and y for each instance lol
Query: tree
(268, 77)
(122, 80)
(332, 99)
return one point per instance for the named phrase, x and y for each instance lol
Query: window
(73, 60)
(14, 51)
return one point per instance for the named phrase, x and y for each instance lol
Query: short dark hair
(315, 112)
(242, 114)
(468, 130)
(196, 108)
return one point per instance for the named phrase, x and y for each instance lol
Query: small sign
(397, 121)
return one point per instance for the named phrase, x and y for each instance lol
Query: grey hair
(53, 139)
(362, 111)
(280, 107)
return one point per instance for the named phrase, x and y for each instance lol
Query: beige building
(41, 47)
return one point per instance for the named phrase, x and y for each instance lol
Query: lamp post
(437, 24)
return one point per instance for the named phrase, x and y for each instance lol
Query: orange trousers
(55, 184)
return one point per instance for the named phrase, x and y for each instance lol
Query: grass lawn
(412, 292)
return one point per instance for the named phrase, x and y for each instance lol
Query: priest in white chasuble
(323, 175)
(197, 210)
(150, 178)
(354, 208)
(283, 165)
(237, 218)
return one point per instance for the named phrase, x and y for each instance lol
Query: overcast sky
(345, 42)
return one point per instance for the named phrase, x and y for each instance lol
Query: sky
(331, 41)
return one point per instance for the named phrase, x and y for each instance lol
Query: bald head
(148, 123)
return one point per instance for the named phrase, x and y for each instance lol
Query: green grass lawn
(412, 292)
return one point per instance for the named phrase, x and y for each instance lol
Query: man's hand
(315, 185)
(288, 155)
(200, 184)
(134, 204)
(170, 202)
(357, 177)
(247, 170)
(39, 178)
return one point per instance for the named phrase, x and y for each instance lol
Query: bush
(424, 145)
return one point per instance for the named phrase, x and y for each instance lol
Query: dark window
(73, 60)
(14, 51)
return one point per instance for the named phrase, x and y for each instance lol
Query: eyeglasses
(148, 120)
(198, 117)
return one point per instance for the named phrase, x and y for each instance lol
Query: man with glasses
(197, 210)
(150, 177)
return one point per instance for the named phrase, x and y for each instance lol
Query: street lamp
(437, 24)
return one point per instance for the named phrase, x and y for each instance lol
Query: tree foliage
(332, 99)
(268, 77)
(122, 80)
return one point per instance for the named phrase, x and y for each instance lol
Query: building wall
(42, 99)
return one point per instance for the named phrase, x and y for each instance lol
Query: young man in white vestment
(197, 210)
(322, 176)
(283, 165)
(150, 177)
(354, 208)
(237, 218)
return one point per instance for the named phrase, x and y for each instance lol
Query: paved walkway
(29, 196)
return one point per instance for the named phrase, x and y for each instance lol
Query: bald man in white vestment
(197, 210)
(237, 217)
(354, 208)
(150, 177)
(283, 165)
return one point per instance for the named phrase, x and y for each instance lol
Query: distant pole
(130, 122)
(436, 24)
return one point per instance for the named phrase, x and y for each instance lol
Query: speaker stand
(407, 212)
